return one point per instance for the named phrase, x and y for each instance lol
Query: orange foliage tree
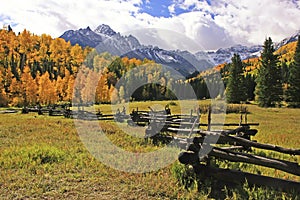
(47, 92)
(29, 88)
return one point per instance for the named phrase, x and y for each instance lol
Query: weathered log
(108, 118)
(225, 138)
(239, 177)
(249, 143)
(243, 131)
(189, 145)
(8, 111)
(286, 166)
(233, 148)
(189, 158)
(181, 121)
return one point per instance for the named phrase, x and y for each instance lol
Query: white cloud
(55, 16)
(220, 24)
(252, 21)
(248, 21)
(171, 9)
(166, 39)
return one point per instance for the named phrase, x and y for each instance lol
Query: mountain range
(103, 38)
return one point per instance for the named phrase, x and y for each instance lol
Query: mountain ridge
(183, 61)
(103, 38)
(224, 55)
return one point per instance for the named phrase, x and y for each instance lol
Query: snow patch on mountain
(105, 30)
(224, 55)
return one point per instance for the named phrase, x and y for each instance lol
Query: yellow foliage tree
(47, 92)
(89, 89)
(70, 89)
(102, 90)
(114, 95)
(29, 88)
(79, 84)
(3, 98)
(15, 93)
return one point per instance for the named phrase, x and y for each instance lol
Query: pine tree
(269, 84)
(284, 72)
(235, 91)
(250, 86)
(293, 90)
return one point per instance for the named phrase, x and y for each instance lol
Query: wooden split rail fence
(234, 145)
(64, 110)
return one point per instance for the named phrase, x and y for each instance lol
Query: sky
(211, 24)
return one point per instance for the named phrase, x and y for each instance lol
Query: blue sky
(159, 8)
(210, 23)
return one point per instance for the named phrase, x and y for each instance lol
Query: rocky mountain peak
(104, 29)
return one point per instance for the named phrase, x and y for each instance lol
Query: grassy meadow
(43, 157)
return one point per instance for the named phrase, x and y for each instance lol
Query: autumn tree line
(36, 69)
(44, 70)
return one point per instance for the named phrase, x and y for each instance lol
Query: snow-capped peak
(224, 55)
(104, 29)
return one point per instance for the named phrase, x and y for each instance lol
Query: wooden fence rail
(191, 138)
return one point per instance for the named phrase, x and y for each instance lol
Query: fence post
(209, 119)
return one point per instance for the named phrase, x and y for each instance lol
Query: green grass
(43, 157)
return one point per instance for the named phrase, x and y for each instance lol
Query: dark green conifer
(235, 91)
(269, 80)
(293, 89)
